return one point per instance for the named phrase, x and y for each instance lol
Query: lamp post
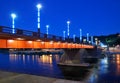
(96, 41)
(63, 35)
(91, 39)
(87, 37)
(68, 27)
(39, 6)
(13, 22)
(80, 35)
(47, 27)
(74, 38)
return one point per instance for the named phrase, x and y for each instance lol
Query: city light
(68, 27)
(87, 37)
(74, 37)
(39, 6)
(80, 35)
(64, 35)
(92, 39)
(47, 27)
(13, 22)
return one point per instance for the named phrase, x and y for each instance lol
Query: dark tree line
(111, 40)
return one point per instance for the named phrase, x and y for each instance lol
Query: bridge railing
(8, 30)
(5, 29)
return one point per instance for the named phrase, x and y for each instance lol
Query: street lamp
(39, 6)
(13, 22)
(92, 39)
(68, 27)
(74, 38)
(96, 41)
(87, 37)
(47, 27)
(80, 35)
(64, 35)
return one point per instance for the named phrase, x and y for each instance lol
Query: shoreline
(11, 77)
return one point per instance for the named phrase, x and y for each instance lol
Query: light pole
(92, 39)
(39, 6)
(47, 27)
(80, 35)
(87, 37)
(96, 41)
(64, 35)
(68, 27)
(13, 22)
(74, 37)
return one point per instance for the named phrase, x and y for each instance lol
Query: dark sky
(98, 17)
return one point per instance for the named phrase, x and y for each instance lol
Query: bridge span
(29, 39)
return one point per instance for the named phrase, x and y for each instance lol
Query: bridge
(34, 40)
(74, 52)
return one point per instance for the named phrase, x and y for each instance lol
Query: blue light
(64, 35)
(68, 27)
(39, 6)
(13, 22)
(80, 34)
(47, 27)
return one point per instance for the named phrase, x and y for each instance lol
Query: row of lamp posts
(39, 6)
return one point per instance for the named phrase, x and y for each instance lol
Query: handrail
(9, 30)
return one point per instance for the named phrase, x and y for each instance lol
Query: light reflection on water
(45, 59)
(45, 65)
(107, 71)
(118, 64)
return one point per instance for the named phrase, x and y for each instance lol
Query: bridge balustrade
(42, 36)
(0, 28)
(19, 32)
(6, 29)
(49, 37)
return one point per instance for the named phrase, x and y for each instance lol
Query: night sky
(97, 17)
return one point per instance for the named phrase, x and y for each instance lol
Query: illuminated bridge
(29, 39)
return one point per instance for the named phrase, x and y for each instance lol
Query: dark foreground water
(107, 71)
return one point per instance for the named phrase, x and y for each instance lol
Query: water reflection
(45, 59)
(42, 64)
(107, 71)
(118, 64)
(46, 65)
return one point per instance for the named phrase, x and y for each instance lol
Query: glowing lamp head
(47, 26)
(39, 6)
(80, 29)
(13, 15)
(68, 22)
(87, 34)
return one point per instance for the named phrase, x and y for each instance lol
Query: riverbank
(10, 77)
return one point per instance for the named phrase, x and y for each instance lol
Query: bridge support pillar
(77, 56)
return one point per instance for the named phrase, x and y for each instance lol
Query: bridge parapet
(7, 34)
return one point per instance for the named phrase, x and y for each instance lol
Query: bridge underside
(19, 43)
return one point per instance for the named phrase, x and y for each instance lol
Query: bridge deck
(30, 39)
